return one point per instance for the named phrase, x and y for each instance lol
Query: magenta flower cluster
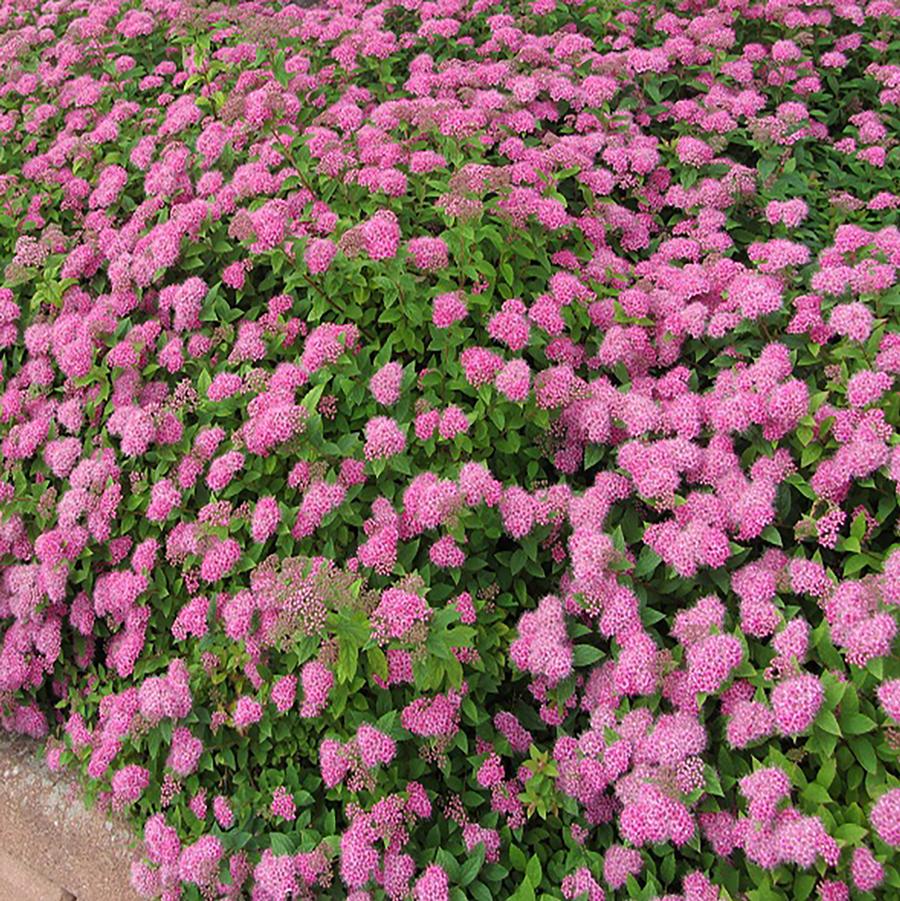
(450, 449)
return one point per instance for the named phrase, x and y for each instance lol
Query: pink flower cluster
(462, 393)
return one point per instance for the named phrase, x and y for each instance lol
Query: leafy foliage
(450, 448)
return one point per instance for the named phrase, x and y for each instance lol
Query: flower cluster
(452, 449)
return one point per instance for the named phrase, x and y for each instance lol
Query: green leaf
(480, 892)
(850, 833)
(713, 784)
(827, 721)
(348, 658)
(494, 872)
(517, 858)
(449, 863)
(864, 753)
(856, 723)
(804, 883)
(827, 772)
(312, 397)
(667, 868)
(523, 893)
(533, 872)
(586, 654)
(281, 844)
(377, 662)
(647, 563)
(816, 793)
(470, 869)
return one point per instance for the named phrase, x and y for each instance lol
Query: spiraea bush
(449, 449)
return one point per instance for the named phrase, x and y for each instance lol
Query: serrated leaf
(348, 658)
(281, 844)
(586, 654)
(524, 892)
(856, 723)
(449, 863)
(864, 753)
(827, 721)
(312, 397)
(816, 793)
(804, 883)
(850, 833)
(470, 869)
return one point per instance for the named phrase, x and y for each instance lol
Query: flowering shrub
(450, 448)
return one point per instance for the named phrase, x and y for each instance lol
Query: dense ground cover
(450, 448)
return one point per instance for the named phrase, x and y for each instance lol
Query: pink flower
(514, 380)
(866, 871)
(757, 295)
(432, 885)
(199, 863)
(374, 746)
(223, 469)
(61, 455)
(711, 660)
(332, 763)
(491, 772)
(619, 863)
(426, 423)
(580, 884)
(693, 151)
(222, 812)
(480, 365)
(185, 751)
(318, 255)
(853, 320)
(866, 387)
(284, 692)
(283, 804)
(791, 212)
(247, 711)
(447, 309)
(383, 438)
(316, 680)
(445, 553)
(429, 254)
(235, 274)
(129, 783)
(453, 422)
(219, 560)
(266, 517)
(833, 890)
(164, 497)
(650, 817)
(885, 817)
(764, 789)
(889, 696)
(795, 703)
(381, 235)
(511, 326)
(385, 384)
(397, 612)
(543, 646)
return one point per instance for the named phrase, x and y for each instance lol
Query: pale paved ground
(51, 847)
